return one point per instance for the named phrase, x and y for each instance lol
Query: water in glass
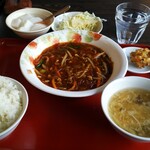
(130, 25)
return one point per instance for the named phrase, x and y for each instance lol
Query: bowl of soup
(72, 63)
(126, 104)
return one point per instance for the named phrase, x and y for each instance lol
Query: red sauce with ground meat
(73, 66)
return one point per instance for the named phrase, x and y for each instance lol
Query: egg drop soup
(130, 109)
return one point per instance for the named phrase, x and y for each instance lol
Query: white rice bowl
(13, 104)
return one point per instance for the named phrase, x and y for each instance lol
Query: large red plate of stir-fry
(72, 63)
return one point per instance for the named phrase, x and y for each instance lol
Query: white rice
(10, 103)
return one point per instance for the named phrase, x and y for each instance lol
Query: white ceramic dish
(115, 86)
(64, 17)
(34, 49)
(131, 66)
(25, 100)
(37, 12)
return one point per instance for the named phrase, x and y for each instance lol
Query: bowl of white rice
(13, 105)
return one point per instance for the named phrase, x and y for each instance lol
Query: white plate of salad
(78, 21)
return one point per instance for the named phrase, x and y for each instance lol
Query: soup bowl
(37, 46)
(125, 83)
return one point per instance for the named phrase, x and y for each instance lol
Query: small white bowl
(115, 86)
(24, 97)
(66, 16)
(36, 12)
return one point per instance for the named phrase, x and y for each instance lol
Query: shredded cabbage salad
(80, 21)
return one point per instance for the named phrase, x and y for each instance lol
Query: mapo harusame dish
(73, 66)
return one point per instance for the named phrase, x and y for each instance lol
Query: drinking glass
(131, 21)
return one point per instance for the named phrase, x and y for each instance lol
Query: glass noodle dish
(96, 49)
(73, 66)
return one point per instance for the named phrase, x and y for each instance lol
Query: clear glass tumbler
(131, 21)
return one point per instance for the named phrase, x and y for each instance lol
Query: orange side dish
(141, 57)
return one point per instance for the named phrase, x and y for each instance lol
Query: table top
(103, 8)
(59, 123)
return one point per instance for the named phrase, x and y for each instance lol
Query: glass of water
(131, 21)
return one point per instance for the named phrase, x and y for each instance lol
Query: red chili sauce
(73, 66)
